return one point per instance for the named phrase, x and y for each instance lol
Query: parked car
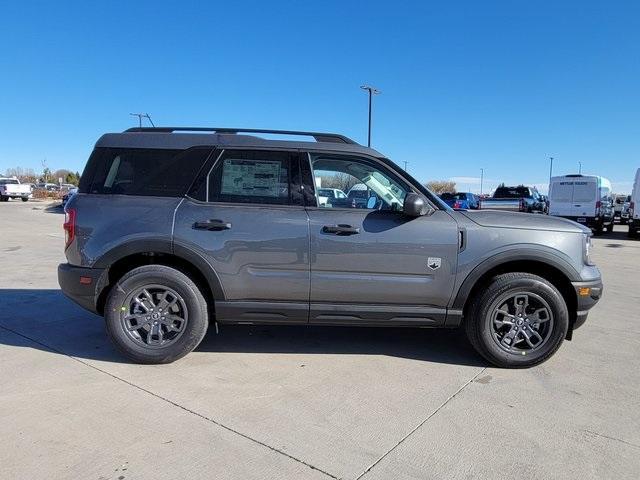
(585, 199)
(460, 200)
(618, 205)
(171, 231)
(67, 196)
(515, 199)
(634, 208)
(12, 188)
(624, 214)
(329, 195)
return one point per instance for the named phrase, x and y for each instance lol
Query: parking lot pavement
(296, 402)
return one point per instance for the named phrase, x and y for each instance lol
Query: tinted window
(260, 177)
(562, 192)
(511, 192)
(146, 172)
(584, 192)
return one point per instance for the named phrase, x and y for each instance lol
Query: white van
(634, 208)
(585, 199)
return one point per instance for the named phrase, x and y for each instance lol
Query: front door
(246, 218)
(369, 262)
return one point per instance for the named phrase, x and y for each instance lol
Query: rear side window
(258, 177)
(145, 172)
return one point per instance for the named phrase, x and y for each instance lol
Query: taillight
(69, 226)
(457, 204)
(522, 208)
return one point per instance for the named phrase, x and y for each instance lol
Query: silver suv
(175, 228)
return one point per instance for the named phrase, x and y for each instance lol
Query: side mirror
(416, 206)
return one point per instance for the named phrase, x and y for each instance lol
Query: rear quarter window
(145, 172)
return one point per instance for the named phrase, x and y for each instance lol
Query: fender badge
(434, 263)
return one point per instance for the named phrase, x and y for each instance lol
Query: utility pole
(372, 91)
(481, 179)
(141, 116)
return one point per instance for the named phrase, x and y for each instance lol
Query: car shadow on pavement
(47, 320)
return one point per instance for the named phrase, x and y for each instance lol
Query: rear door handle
(213, 225)
(340, 229)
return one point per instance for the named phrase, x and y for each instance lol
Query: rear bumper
(587, 294)
(82, 285)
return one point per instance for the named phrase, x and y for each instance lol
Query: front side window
(366, 185)
(258, 177)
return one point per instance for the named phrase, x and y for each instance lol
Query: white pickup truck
(12, 188)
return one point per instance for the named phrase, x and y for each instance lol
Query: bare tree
(441, 186)
(340, 180)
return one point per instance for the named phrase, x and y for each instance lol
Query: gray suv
(175, 228)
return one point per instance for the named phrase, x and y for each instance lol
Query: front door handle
(212, 225)
(340, 229)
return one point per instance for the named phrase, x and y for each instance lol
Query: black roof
(186, 137)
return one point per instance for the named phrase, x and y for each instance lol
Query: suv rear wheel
(518, 321)
(156, 314)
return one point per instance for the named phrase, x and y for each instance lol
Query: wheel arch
(554, 270)
(125, 258)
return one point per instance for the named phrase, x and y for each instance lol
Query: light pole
(372, 91)
(405, 165)
(481, 179)
(580, 167)
(550, 169)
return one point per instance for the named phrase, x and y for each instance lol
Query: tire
(480, 322)
(598, 229)
(632, 233)
(189, 304)
(610, 228)
(4, 199)
(24, 199)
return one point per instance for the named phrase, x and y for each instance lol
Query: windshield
(9, 181)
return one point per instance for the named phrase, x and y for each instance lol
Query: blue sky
(466, 85)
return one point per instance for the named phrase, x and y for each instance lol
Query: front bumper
(587, 294)
(82, 285)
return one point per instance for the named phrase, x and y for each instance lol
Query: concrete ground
(296, 402)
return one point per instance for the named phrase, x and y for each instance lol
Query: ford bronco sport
(175, 228)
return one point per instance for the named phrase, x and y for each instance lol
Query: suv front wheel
(156, 314)
(518, 320)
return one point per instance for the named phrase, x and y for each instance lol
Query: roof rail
(319, 137)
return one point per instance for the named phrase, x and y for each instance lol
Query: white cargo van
(634, 208)
(585, 199)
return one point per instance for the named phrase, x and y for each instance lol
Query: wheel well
(116, 271)
(553, 275)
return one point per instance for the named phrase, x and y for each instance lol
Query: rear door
(246, 218)
(370, 263)
(585, 196)
(561, 198)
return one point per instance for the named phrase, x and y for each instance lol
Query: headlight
(587, 246)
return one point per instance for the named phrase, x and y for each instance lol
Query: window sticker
(251, 178)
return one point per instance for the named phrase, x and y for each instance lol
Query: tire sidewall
(194, 301)
(560, 322)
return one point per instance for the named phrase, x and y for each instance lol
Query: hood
(527, 221)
